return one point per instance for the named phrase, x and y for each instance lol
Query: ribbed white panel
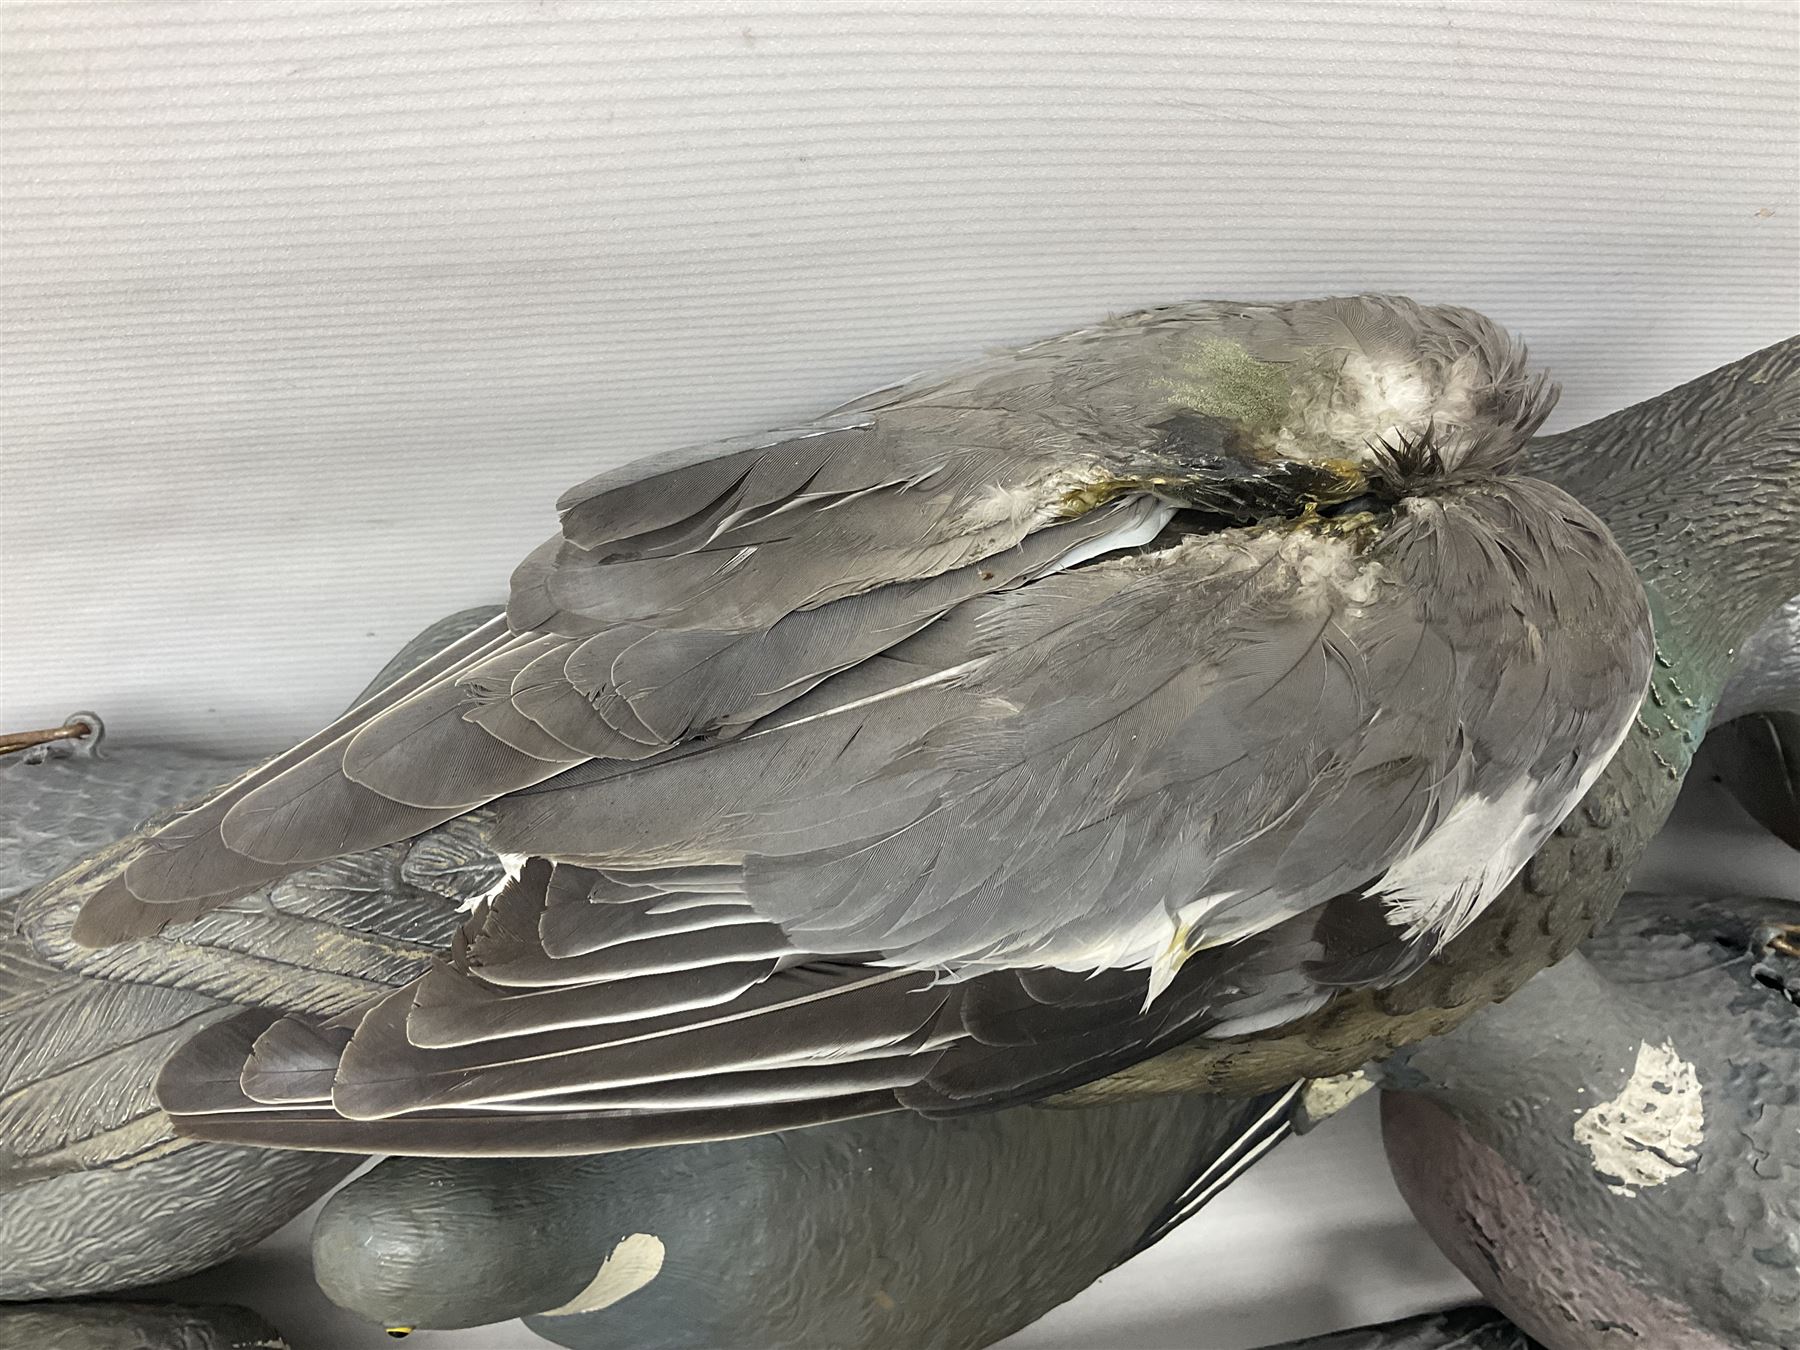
(310, 310)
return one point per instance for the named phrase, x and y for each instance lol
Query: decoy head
(412, 1245)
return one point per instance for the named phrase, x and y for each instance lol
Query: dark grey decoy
(1754, 746)
(97, 1193)
(1457, 1329)
(1576, 880)
(1163, 679)
(1613, 1155)
(107, 1325)
(1766, 675)
(860, 1235)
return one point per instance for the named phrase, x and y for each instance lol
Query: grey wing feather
(293, 1062)
(78, 1055)
(318, 941)
(186, 861)
(429, 641)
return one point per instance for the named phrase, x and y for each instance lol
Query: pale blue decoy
(97, 1193)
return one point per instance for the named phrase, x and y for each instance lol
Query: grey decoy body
(888, 1231)
(108, 1325)
(1575, 883)
(1613, 1155)
(97, 1192)
(1456, 1329)
(1766, 675)
(1233, 622)
(1754, 746)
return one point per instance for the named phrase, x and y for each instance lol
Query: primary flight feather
(984, 737)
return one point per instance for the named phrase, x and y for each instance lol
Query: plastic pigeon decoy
(861, 1235)
(1767, 675)
(105, 1325)
(1612, 1156)
(1754, 746)
(1471, 1328)
(97, 1192)
(1165, 679)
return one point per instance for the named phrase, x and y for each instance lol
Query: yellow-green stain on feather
(1220, 378)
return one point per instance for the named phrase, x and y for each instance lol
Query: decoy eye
(399, 1333)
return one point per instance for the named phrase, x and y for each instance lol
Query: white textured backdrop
(310, 310)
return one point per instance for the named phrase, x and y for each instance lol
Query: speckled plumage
(1613, 1156)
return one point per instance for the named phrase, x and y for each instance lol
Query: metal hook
(56, 742)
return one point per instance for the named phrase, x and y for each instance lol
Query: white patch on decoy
(1652, 1131)
(630, 1266)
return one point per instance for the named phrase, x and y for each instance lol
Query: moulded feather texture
(1159, 679)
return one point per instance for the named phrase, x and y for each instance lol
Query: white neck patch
(630, 1266)
(1652, 1131)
